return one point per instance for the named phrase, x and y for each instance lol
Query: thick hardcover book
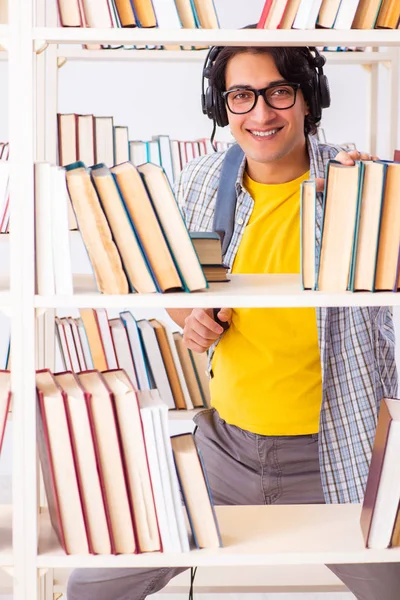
(381, 500)
(308, 200)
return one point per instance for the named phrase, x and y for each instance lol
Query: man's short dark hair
(293, 63)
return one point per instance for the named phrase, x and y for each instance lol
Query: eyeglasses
(280, 96)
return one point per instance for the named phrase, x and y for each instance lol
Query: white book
(307, 14)
(86, 139)
(85, 344)
(97, 13)
(62, 264)
(4, 186)
(137, 152)
(136, 346)
(173, 478)
(156, 362)
(104, 140)
(167, 14)
(78, 345)
(45, 281)
(86, 463)
(346, 13)
(106, 337)
(62, 341)
(123, 350)
(121, 144)
(176, 158)
(164, 144)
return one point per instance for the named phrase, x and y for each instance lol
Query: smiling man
(295, 392)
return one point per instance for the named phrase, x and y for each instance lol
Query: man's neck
(282, 170)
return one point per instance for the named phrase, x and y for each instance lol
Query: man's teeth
(264, 133)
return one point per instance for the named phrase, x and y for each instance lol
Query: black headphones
(213, 104)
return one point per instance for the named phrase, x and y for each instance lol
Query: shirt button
(239, 221)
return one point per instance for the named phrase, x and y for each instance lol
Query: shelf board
(6, 552)
(252, 536)
(81, 54)
(183, 415)
(243, 291)
(241, 37)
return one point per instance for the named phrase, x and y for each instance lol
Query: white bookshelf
(253, 536)
(242, 291)
(266, 535)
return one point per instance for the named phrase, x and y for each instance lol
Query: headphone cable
(192, 576)
(213, 136)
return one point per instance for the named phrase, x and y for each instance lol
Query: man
(295, 392)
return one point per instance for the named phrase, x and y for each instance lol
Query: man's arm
(200, 330)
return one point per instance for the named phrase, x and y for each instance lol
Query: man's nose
(262, 110)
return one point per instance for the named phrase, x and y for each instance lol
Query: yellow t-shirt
(266, 367)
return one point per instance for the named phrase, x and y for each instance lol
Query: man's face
(258, 71)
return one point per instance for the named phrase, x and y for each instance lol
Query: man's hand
(346, 158)
(201, 331)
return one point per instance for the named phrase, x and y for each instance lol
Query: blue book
(138, 352)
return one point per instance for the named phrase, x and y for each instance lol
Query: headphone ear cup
(221, 115)
(324, 92)
(209, 104)
(314, 102)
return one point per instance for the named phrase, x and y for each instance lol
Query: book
(95, 342)
(58, 466)
(126, 13)
(104, 140)
(264, 15)
(85, 139)
(155, 362)
(136, 463)
(123, 350)
(125, 237)
(87, 463)
(84, 344)
(148, 228)
(106, 337)
(62, 342)
(121, 144)
(396, 156)
(273, 17)
(72, 352)
(95, 231)
(186, 13)
(206, 14)
(78, 344)
(5, 401)
(366, 253)
(167, 18)
(389, 15)
(188, 368)
(389, 234)
(327, 13)
(61, 223)
(290, 14)
(307, 14)
(102, 413)
(144, 13)
(173, 225)
(137, 350)
(164, 144)
(69, 13)
(172, 364)
(196, 491)
(343, 188)
(97, 13)
(381, 500)
(366, 14)
(346, 14)
(308, 200)
(200, 362)
(208, 247)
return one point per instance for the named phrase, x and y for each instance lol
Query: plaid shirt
(357, 344)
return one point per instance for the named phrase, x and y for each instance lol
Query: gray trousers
(247, 469)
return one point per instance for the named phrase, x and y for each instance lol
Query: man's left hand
(345, 158)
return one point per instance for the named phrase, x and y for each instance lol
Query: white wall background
(154, 98)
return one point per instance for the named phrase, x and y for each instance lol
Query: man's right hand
(201, 331)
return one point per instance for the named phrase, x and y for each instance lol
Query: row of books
(166, 14)
(93, 140)
(131, 226)
(149, 352)
(330, 14)
(112, 475)
(360, 237)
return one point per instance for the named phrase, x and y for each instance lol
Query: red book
(397, 155)
(264, 14)
(58, 466)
